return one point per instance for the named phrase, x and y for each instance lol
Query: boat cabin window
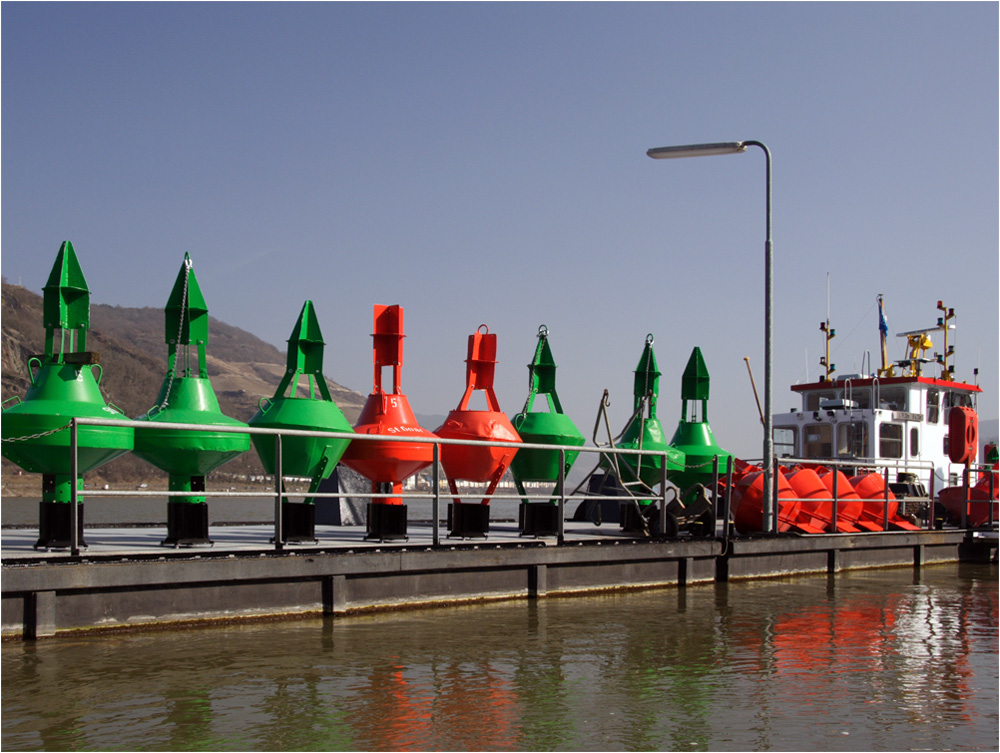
(785, 442)
(813, 398)
(890, 441)
(957, 399)
(852, 439)
(933, 406)
(819, 440)
(860, 396)
(914, 441)
(893, 398)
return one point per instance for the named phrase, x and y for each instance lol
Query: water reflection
(874, 660)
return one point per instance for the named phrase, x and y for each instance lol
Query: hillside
(243, 368)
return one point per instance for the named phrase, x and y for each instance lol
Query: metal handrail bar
(279, 492)
(350, 435)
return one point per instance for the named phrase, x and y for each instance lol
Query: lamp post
(737, 147)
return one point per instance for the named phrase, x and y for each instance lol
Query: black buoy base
(634, 518)
(538, 519)
(298, 523)
(386, 522)
(187, 524)
(55, 525)
(468, 521)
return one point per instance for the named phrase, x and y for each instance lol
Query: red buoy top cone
(471, 462)
(389, 415)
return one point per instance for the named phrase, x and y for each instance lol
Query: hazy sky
(485, 163)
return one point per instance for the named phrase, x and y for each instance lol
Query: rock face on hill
(243, 369)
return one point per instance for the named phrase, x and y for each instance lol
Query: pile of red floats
(816, 499)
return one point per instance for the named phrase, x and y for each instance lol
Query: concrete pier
(125, 580)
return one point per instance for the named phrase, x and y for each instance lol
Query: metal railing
(721, 504)
(279, 494)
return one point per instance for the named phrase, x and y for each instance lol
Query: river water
(874, 660)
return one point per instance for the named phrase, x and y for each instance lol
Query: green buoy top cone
(64, 385)
(315, 457)
(187, 397)
(694, 436)
(644, 431)
(543, 427)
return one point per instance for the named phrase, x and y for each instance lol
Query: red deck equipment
(477, 463)
(748, 505)
(817, 502)
(850, 505)
(871, 488)
(388, 414)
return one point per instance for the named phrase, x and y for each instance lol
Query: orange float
(871, 488)
(748, 505)
(817, 502)
(850, 506)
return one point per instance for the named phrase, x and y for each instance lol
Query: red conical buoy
(384, 461)
(476, 462)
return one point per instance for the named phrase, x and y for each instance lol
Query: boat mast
(947, 374)
(887, 369)
(830, 333)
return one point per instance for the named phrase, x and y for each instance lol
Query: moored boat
(897, 418)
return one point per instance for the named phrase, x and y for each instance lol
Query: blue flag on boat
(883, 323)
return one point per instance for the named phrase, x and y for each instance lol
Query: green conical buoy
(64, 385)
(313, 457)
(645, 431)
(694, 437)
(187, 397)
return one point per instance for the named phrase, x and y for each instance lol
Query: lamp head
(696, 150)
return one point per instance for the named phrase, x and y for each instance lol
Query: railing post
(885, 501)
(777, 500)
(989, 499)
(727, 499)
(965, 504)
(436, 500)
(663, 495)
(930, 502)
(715, 494)
(279, 533)
(561, 523)
(74, 471)
(836, 477)
(834, 510)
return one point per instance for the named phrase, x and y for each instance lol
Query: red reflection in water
(475, 709)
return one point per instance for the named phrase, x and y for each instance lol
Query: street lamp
(736, 147)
